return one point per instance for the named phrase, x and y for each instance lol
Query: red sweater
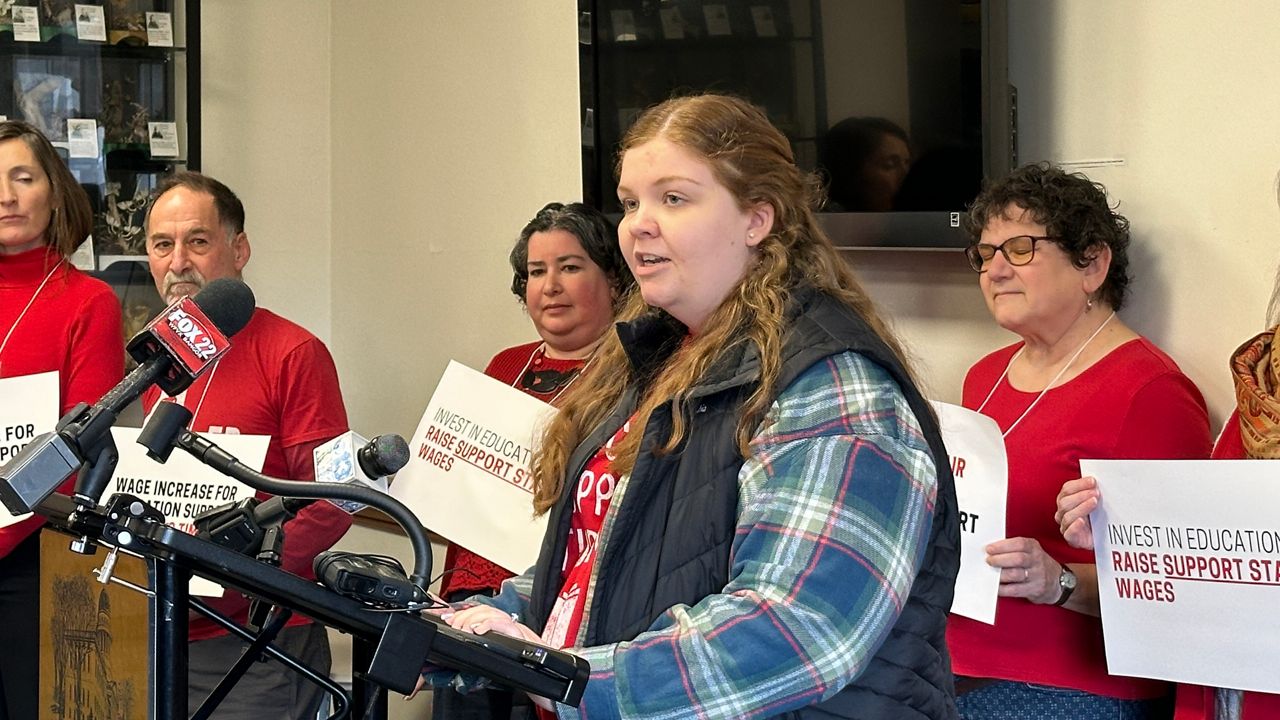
(73, 327)
(1132, 404)
(1196, 702)
(465, 570)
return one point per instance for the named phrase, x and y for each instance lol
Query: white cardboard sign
(468, 473)
(981, 469)
(1188, 556)
(28, 407)
(183, 487)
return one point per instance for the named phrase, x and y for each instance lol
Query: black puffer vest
(672, 533)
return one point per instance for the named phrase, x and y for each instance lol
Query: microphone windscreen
(228, 303)
(387, 454)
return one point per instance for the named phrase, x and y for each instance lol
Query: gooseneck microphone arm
(227, 464)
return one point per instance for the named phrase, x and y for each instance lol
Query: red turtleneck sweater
(73, 327)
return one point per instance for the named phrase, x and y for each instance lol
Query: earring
(1088, 305)
(751, 236)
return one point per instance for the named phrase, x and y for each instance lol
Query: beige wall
(264, 83)
(387, 164)
(453, 123)
(386, 168)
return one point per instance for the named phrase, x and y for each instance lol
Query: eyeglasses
(1018, 250)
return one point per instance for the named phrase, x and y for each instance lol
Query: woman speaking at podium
(52, 318)
(750, 511)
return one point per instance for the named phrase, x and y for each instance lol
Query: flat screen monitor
(902, 106)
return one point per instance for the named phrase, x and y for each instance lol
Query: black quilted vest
(672, 533)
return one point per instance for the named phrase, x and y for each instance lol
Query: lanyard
(4, 343)
(1074, 355)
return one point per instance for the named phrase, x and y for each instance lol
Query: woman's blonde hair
(753, 160)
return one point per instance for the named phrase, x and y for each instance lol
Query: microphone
(241, 525)
(180, 343)
(349, 459)
(190, 335)
(345, 460)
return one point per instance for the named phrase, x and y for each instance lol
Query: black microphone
(180, 343)
(384, 455)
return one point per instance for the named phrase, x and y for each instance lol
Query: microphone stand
(396, 645)
(391, 647)
(261, 644)
(238, 525)
(167, 429)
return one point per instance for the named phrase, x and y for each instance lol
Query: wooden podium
(93, 637)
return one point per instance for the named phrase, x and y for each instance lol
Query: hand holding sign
(1026, 570)
(1076, 500)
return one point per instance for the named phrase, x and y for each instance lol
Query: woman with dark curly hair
(1052, 258)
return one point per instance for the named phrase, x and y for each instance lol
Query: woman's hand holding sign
(1076, 500)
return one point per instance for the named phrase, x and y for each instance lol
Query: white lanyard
(1004, 374)
(5, 342)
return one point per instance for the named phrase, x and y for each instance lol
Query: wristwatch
(1067, 584)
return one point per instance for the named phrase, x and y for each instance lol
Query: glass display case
(115, 85)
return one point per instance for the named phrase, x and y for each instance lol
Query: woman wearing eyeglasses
(1053, 267)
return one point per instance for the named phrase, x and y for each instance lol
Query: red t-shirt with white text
(590, 503)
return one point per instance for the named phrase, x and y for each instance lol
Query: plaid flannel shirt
(834, 511)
